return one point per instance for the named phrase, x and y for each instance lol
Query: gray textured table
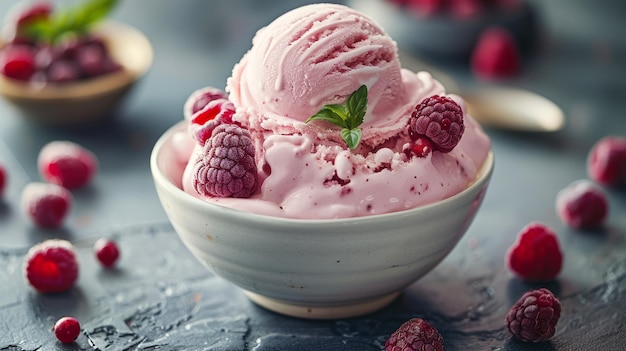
(160, 298)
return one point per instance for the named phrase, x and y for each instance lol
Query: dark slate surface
(160, 298)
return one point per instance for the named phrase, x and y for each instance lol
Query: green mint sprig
(348, 116)
(75, 20)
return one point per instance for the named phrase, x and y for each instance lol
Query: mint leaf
(352, 137)
(76, 20)
(348, 116)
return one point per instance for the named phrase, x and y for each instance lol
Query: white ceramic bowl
(314, 268)
(90, 101)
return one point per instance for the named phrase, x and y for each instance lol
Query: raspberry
(495, 55)
(47, 205)
(536, 256)
(200, 98)
(3, 179)
(67, 329)
(415, 334)
(213, 114)
(534, 316)
(606, 163)
(582, 205)
(440, 119)
(51, 266)
(465, 9)
(18, 62)
(425, 7)
(67, 164)
(106, 251)
(227, 167)
(420, 147)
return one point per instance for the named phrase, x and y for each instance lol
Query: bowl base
(322, 312)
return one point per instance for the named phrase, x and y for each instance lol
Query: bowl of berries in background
(451, 29)
(69, 66)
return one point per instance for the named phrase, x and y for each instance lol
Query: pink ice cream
(317, 55)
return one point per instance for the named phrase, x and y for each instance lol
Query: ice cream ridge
(319, 120)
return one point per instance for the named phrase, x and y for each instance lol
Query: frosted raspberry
(67, 329)
(51, 266)
(213, 114)
(582, 205)
(440, 119)
(107, 252)
(415, 334)
(606, 163)
(47, 205)
(536, 256)
(3, 179)
(227, 167)
(495, 55)
(534, 316)
(67, 164)
(200, 98)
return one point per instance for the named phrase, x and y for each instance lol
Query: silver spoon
(499, 107)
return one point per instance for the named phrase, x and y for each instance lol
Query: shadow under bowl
(85, 102)
(319, 269)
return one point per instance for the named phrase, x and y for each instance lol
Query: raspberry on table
(440, 119)
(203, 122)
(107, 252)
(534, 316)
(495, 55)
(582, 205)
(67, 164)
(3, 179)
(200, 98)
(415, 334)
(536, 256)
(227, 167)
(606, 163)
(51, 266)
(46, 205)
(66, 329)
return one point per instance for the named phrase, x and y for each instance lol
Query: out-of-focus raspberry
(495, 55)
(582, 205)
(606, 163)
(51, 266)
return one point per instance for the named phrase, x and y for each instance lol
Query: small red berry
(440, 119)
(47, 205)
(3, 179)
(606, 163)
(67, 164)
(227, 167)
(420, 147)
(534, 316)
(200, 98)
(18, 62)
(536, 256)
(495, 55)
(51, 266)
(67, 329)
(106, 251)
(415, 334)
(203, 122)
(582, 205)
(424, 8)
(465, 9)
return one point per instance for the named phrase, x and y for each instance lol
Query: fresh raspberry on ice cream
(200, 98)
(534, 316)
(227, 167)
(440, 119)
(606, 163)
(415, 334)
(582, 205)
(203, 122)
(536, 256)
(495, 55)
(51, 266)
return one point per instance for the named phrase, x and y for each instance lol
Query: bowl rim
(94, 87)
(483, 176)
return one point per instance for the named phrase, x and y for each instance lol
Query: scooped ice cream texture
(318, 55)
